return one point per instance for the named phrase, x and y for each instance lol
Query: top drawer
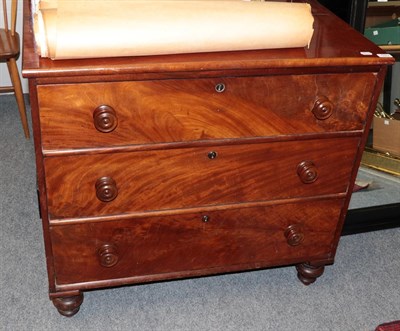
(145, 112)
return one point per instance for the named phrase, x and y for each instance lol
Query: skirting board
(372, 219)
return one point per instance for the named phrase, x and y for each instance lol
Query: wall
(4, 76)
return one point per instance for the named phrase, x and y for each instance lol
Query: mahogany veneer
(163, 167)
(192, 109)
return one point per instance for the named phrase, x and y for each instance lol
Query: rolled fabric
(73, 29)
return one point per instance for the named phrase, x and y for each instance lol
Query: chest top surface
(334, 45)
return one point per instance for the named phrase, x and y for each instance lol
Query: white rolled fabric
(70, 29)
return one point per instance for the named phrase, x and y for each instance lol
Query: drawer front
(145, 112)
(281, 234)
(107, 184)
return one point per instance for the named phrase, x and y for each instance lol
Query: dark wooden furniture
(9, 53)
(163, 167)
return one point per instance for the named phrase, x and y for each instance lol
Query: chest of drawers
(163, 167)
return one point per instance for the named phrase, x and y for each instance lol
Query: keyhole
(212, 155)
(220, 87)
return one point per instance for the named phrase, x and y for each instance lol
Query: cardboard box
(387, 33)
(386, 135)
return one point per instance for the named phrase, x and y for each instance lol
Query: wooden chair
(9, 52)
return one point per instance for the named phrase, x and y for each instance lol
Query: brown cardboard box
(386, 135)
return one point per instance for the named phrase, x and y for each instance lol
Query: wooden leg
(68, 306)
(308, 274)
(16, 81)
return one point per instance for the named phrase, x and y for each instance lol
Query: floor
(382, 189)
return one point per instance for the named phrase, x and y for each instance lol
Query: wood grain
(182, 178)
(186, 110)
(157, 245)
(196, 181)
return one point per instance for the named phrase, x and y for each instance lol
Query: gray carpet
(382, 189)
(360, 291)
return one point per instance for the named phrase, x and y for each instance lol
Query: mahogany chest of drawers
(164, 167)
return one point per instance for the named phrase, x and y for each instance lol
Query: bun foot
(308, 274)
(68, 306)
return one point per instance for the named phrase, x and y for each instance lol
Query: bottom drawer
(257, 236)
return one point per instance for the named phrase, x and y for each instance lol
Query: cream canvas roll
(70, 29)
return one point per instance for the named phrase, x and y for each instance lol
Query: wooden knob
(294, 235)
(307, 171)
(108, 255)
(323, 108)
(105, 119)
(106, 189)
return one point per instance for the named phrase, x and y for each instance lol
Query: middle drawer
(110, 184)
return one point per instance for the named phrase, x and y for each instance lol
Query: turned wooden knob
(323, 108)
(105, 119)
(294, 235)
(108, 255)
(307, 171)
(106, 189)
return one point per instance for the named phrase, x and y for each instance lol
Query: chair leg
(19, 96)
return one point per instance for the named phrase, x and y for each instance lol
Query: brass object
(380, 113)
(381, 161)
